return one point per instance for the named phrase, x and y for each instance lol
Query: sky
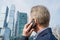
(25, 6)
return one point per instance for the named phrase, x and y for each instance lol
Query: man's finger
(26, 25)
(29, 27)
(31, 31)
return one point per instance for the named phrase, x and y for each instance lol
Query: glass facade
(21, 21)
(11, 19)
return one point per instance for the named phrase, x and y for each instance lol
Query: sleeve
(24, 38)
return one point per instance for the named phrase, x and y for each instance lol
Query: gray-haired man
(41, 16)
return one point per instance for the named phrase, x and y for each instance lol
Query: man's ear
(32, 19)
(35, 20)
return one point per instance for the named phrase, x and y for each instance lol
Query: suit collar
(46, 31)
(43, 32)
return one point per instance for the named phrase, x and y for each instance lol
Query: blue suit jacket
(44, 35)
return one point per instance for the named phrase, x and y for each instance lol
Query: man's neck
(40, 28)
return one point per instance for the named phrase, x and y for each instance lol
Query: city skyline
(52, 5)
(9, 26)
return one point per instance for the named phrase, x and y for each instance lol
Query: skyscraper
(21, 21)
(11, 19)
(6, 14)
(7, 30)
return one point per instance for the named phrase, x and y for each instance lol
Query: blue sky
(25, 6)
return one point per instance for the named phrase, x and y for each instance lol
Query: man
(41, 16)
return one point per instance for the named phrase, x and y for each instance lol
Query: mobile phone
(33, 24)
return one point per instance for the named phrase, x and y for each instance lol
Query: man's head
(41, 14)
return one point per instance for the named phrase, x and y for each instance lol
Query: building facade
(11, 19)
(7, 30)
(21, 21)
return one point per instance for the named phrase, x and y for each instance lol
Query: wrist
(25, 35)
(24, 38)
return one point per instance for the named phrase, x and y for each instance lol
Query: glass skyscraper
(21, 21)
(11, 19)
(7, 30)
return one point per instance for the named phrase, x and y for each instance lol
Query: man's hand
(26, 29)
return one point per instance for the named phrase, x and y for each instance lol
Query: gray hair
(42, 14)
